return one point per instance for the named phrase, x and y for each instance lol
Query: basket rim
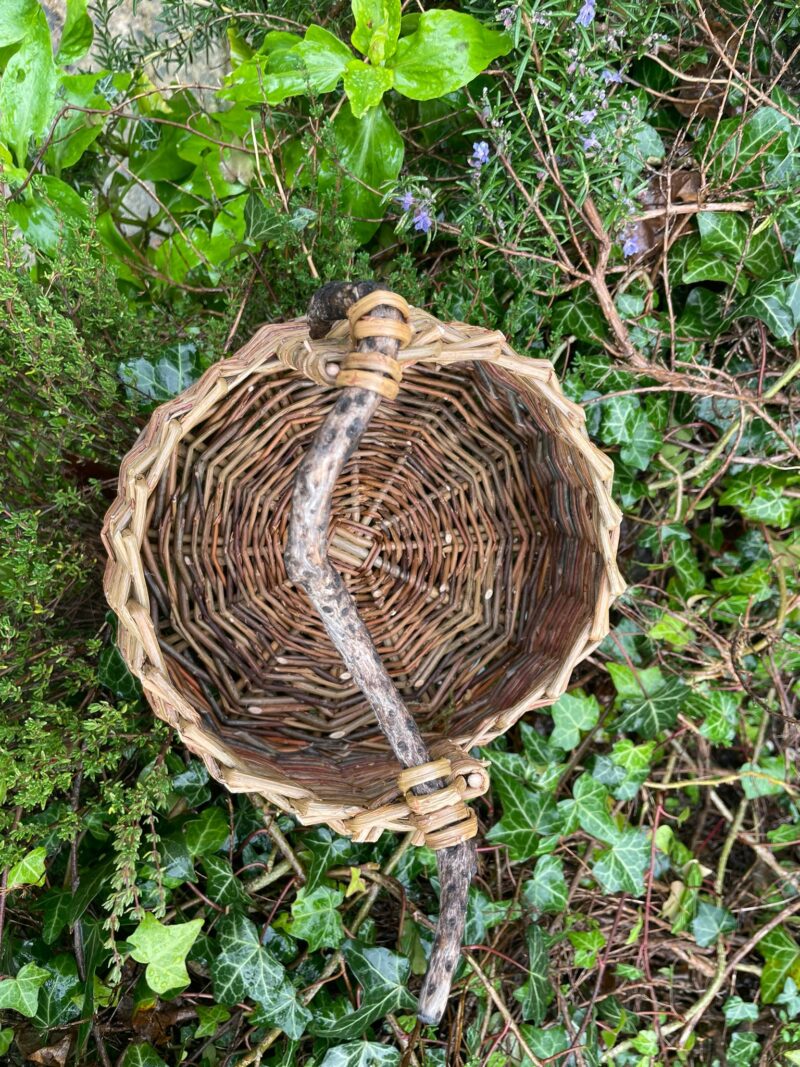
(124, 529)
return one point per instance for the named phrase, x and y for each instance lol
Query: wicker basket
(473, 526)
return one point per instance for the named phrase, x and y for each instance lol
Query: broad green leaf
(22, 993)
(28, 871)
(222, 885)
(483, 913)
(315, 917)
(625, 768)
(765, 778)
(174, 369)
(781, 962)
(546, 889)
(27, 89)
(743, 1049)
(631, 683)
(589, 809)
(43, 217)
(207, 833)
(790, 998)
(384, 977)
(313, 65)
(377, 28)
(176, 866)
(709, 922)
(210, 1019)
(654, 711)
(142, 1055)
(77, 34)
(243, 969)
(6, 1038)
(706, 266)
(723, 232)
(579, 315)
(365, 85)
(767, 302)
(587, 945)
(59, 1000)
(643, 444)
(546, 1044)
(284, 1010)
(621, 868)
(644, 145)
(793, 300)
(366, 162)
(764, 254)
(164, 949)
(361, 1054)
(76, 129)
(689, 577)
(573, 713)
(17, 18)
(537, 992)
(527, 817)
(619, 419)
(325, 849)
(672, 629)
(752, 491)
(56, 906)
(737, 1011)
(447, 50)
(192, 784)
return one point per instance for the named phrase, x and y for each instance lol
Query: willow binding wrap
(471, 521)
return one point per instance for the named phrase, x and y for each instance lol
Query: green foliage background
(615, 186)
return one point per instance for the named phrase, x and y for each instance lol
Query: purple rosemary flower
(506, 16)
(406, 201)
(611, 77)
(586, 14)
(480, 154)
(423, 220)
(630, 246)
(589, 143)
(588, 116)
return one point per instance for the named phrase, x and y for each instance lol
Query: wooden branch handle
(307, 564)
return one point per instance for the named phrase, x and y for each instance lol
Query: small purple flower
(630, 245)
(423, 220)
(480, 154)
(406, 201)
(611, 77)
(589, 143)
(588, 116)
(507, 16)
(586, 14)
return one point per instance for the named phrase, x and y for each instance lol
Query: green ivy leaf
(767, 302)
(384, 976)
(755, 777)
(723, 232)
(764, 256)
(361, 1054)
(546, 889)
(743, 1049)
(621, 868)
(365, 85)
(222, 885)
(706, 266)
(325, 849)
(28, 86)
(527, 817)
(283, 1010)
(625, 768)
(580, 316)
(781, 962)
(377, 28)
(643, 444)
(6, 1038)
(754, 494)
(142, 1055)
(207, 833)
(587, 945)
(737, 1011)
(710, 922)
(653, 711)
(59, 1002)
(367, 160)
(56, 906)
(315, 918)
(447, 50)
(28, 871)
(546, 1044)
(537, 992)
(22, 993)
(164, 949)
(77, 34)
(176, 368)
(210, 1019)
(45, 216)
(573, 713)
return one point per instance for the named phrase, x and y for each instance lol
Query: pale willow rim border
(127, 593)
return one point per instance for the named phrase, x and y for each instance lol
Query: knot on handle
(375, 370)
(441, 817)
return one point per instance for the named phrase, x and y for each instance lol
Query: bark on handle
(307, 564)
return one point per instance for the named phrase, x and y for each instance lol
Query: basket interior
(461, 526)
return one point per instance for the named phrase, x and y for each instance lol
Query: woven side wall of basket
(474, 527)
